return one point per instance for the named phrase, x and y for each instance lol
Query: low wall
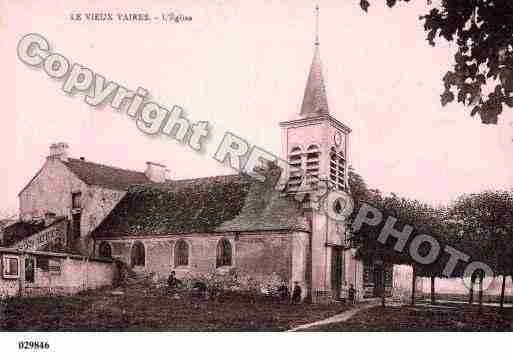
(44, 273)
(456, 286)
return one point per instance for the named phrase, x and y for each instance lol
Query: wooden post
(471, 290)
(503, 289)
(481, 279)
(383, 285)
(433, 299)
(413, 285)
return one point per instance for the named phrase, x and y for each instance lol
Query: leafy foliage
(487, 217)
(479, 225)
(482, 74)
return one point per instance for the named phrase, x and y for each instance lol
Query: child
(351, 293)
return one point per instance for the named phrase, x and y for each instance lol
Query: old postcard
(275, 166)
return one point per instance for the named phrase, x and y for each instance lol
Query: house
(37, 273)
(83, 191)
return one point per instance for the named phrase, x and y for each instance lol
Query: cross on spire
(316, 25)
(315, 101)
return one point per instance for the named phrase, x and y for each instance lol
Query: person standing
(296, 293)
(351, 294)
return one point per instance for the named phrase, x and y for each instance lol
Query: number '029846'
(33, 345)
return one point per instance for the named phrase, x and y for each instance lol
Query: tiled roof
(105, 176)
(20, 230)
(234, 203)
(6, 222)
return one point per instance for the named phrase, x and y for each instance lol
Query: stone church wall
(265, 258)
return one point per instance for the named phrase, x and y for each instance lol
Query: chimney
(59, 151)
(156, 172)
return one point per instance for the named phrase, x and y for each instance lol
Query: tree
(423, 218)
(487, 219)
(482, 74)
(479, 225)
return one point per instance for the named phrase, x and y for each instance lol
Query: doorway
(378, 281)
(336, 271)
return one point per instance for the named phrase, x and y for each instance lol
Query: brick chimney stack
(59, 151)
(156, 172)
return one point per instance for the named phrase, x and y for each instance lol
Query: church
(219, 224)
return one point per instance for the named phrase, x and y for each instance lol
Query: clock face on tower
(338, 139)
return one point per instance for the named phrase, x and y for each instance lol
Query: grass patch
(451, 317)
(144, 310)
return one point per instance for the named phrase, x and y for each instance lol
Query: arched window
(105, 250)
(138, 256)
(181, 253)
(224, 253)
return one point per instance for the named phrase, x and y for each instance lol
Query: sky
(242, 66)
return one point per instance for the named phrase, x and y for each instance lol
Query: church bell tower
(316, 146)
(315, 143)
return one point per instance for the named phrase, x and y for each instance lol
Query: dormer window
(76, 215)
(76, 200)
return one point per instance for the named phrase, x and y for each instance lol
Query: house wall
(97, 203)
(76, 274)
(9, 288)
(51, 191)
(265, 258)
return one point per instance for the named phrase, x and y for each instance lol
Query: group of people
(174, 283)
(284, 294)
(283, 291)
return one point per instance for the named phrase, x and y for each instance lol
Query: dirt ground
(157, 310)
(425, 317)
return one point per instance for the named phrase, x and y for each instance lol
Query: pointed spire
(315, 101)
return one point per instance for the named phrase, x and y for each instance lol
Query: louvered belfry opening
(296, 169)
(337, 169)
(313, 158)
